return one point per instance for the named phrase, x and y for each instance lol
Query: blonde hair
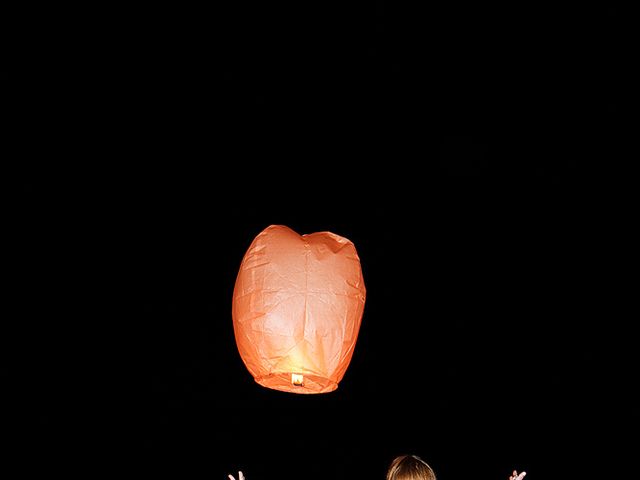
(410, 467)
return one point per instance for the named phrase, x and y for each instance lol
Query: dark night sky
(452, 146)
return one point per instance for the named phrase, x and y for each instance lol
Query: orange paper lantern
(297, 308)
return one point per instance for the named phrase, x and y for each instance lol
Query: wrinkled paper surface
(297, 309)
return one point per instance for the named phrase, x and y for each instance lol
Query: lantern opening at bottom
(296, 383)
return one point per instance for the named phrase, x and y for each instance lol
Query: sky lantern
(297, 309)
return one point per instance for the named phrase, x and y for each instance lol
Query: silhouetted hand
(516, 476)
(241, 476)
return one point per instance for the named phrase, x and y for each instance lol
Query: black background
(454, 146)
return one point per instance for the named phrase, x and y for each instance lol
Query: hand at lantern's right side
(241, 476)
(516, 476)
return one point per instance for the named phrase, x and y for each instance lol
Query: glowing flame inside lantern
(297, 379)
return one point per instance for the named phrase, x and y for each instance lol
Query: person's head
(410, 467)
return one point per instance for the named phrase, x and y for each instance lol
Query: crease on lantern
(293, 293)
(297, 379)
(272, 306)
(257, 265)
(344, 322)
(289, 365)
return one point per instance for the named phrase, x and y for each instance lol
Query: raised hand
(515, 475)
(241, 476)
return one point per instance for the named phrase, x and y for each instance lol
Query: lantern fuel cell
(297, 307)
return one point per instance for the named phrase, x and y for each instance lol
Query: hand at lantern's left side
(240, 476)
